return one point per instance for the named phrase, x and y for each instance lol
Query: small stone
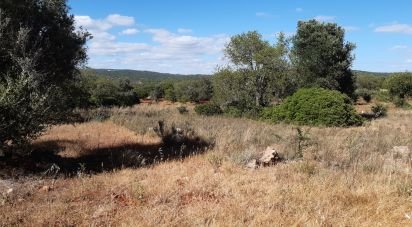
(10, 190)
(252, 164)
(45, 188)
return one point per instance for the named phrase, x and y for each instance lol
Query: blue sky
(184, 36)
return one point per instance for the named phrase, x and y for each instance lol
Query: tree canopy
(40, 53)
(322, 57)
(255, 64)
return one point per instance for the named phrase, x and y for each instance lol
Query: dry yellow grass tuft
(345, 177)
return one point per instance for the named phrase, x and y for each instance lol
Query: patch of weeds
(137, 190)
(243, 157)
(307, 168)
(404, 189)
(215, 159)
(299, 143)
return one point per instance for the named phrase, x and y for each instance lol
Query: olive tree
(255, 65)
(40, 53)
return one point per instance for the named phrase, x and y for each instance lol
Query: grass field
(118, 172)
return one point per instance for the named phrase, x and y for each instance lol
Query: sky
(188, 36)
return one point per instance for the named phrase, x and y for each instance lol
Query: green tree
(251, 79)
(40, 52)
(256, 59)
(322, 57)
(399, 85)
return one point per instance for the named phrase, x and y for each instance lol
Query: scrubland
(119, 172)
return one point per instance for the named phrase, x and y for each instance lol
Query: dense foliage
(322, 58)
(315, 106)
(208, 109)
(365, 94)
(399, 85)
(40, 52)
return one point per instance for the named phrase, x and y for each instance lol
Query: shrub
(208, 109)
(400, 102)
(400, 85)
(365, 94)
(315, 106)
(383, 96)
(233, 111)
(182, 109)
(379, 110)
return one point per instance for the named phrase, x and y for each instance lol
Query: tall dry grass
(345, 177)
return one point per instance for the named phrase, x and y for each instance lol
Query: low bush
(365, 94)
(315, 106)
(182, 109)
(208, 109)
(233, 111)
(379, 110)
(383, 96)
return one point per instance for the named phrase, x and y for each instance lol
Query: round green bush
(315, 106)
(208, 109)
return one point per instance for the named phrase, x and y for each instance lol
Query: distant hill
(140, 75)
(366, 73)
(137, 75)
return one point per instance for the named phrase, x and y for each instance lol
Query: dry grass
(347, 177)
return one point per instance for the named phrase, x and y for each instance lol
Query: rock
(45, 188)
(270, 157)
(9, 191)
(252, 164)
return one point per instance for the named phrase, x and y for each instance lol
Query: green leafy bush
(208, 109)
(383, 96)
(365, 94)
(233, 111)
(315, 106)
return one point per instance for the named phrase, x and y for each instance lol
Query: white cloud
(129, 31)
(351, 28)
(184, 30)
(91, 24)
(99, 28)
(323, 18)
(399, 47)
(408, 60)
(167, 51)
(395, 28)
(104, 24)
(299, 10)
(116, 19)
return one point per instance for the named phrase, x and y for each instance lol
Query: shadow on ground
(45, 159)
